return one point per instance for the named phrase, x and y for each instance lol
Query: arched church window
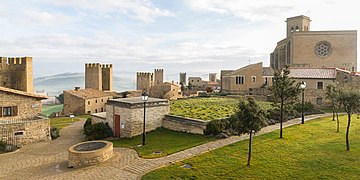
(292, 29)
(297, 28)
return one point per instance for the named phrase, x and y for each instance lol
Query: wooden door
(117, 125)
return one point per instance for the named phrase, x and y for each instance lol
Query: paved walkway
(48, 160)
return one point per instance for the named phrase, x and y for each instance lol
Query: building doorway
(117, 125)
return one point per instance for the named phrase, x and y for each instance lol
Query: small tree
(60, 98)
(332, 93)
(284, 91)
(250, 117)
(350, 99)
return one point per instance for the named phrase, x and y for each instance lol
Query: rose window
(322, 49)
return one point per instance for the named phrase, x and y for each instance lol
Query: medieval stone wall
(16, 73)
(26, 132)
(188, 125)
(73, 104)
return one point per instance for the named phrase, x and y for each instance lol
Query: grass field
(47, 110)
(164, 140)
(310, 151)
(62, 122)
(207, 108)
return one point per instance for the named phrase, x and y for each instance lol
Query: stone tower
(182, 78)
(297, 23)
(98, 76)
(212, 77)
(107, 78)
(144, 80)
(16, 73)
(159, 76)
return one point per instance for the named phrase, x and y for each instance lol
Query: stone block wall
(132, 119)
(26, 132)
(27, 107)
(73, 104)
(188, 125)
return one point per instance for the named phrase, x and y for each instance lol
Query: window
(192, 80)
(320, 85)
(102, 100)
(95, 110)
(240, 80)
(88, 102)
(319, 101)
(8, 111)
(102, 109)
(266, 81)
(198, 80)
(89, 112)
(96, 101)
(323, 49)
(253, 78)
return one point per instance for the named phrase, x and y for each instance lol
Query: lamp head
(303, 85)
(144, 96)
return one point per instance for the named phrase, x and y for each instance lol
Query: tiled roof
(23, 93)
(268, 71)
(313, 73)
(88, 93)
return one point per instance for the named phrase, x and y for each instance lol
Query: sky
(193, 36)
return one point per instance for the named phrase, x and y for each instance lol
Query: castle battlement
(106, 66)
(159, 70)
(15, 61)
(92, 65)
(144, 73)
(16, 73)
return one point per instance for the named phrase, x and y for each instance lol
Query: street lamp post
(144, 97)
(302, 86)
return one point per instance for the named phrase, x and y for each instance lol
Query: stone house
(19, 105)
(252, 79)
(197, 83)
(85, 101)
(167, 90)
(317, 79)
(125, 116)
(20, 120)
(315, 49)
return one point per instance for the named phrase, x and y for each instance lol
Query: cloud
(142, 10)
(47, 17)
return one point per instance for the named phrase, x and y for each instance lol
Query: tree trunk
(347, 133)
(249, 155)
(338, 123)
(333, 110)
(281, 117)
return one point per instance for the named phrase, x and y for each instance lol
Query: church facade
(315, 49)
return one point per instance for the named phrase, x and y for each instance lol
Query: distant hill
(55, 84)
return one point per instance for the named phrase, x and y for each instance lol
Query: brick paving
(48, 160)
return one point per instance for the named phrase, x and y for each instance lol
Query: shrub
(54, 133)
(2, 146)
(97, 131)
(308, 107)
(214, 127)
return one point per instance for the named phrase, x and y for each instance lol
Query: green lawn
(61, 122)
(164, 140)
(207, 108)
(47, 110)
(310, 151)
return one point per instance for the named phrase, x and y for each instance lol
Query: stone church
(315, 49)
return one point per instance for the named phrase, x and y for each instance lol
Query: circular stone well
(89, 153)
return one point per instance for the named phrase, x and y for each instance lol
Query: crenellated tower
(182, 78)
(98, 76)
(212, 77)
(144, 80)
(159, 76)
(16, 73)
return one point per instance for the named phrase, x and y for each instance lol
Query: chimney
(77, 88)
